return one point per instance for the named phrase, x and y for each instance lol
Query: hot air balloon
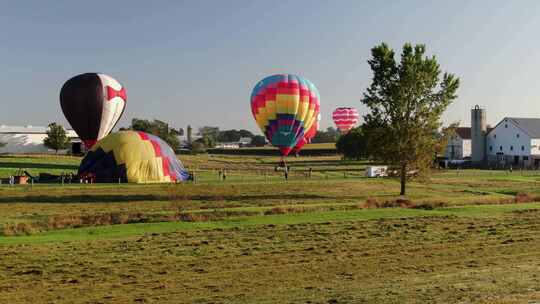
(92, 103)
(285, 108)
(345, 119)
(132, 156)
(308, 136)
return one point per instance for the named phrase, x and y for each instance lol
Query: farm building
(459, 144)
(513, 142)
(29, 139)
(184, 142)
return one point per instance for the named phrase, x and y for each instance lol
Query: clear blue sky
(195, 62)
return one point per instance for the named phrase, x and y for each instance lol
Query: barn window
(522, 148)
(494, 135)
(506, 126)
(490, 148)
(511, 148)
(517, 135)
(500, 148)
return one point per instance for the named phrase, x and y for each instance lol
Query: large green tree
(209, 131)
(353, 145)
(406, 100)
(56, 137)
(158, 128)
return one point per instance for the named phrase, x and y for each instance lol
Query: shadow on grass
(25, 165)
(119, 198)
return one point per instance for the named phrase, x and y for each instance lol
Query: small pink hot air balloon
(345, 119)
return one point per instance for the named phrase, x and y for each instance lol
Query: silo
(478, 135)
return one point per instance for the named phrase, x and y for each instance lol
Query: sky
(196, 62)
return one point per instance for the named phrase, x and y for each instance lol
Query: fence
(211, 176)
(271, 152)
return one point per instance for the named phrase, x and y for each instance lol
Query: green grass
(326, 247)
(9, 165)
(129, 230)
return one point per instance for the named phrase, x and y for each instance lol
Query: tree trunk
(403, 178)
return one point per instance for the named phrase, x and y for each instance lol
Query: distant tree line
(209, 136)
(158, 128)
(328, 136)
(212, 135)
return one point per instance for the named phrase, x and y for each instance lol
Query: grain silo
(478, 135)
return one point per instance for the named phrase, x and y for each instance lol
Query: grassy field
(468, 236)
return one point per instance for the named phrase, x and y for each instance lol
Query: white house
(228, 145)
(459, 144)
(28, 139)
(514, 141)
(244, 141)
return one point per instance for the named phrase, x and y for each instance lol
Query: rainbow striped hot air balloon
(345, 118)
(308, 135)
(285, 108)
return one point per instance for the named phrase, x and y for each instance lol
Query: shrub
(396, 203)
(523, 198)
(430, 205)
(371, 203)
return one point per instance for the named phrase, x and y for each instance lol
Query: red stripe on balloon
(142, 135)
(288, 91)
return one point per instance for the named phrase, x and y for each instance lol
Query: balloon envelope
(132, 156)
(345, 118)
(308, 135)
(285, 107)
(92, 103)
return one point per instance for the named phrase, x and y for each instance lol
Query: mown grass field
(466, 236)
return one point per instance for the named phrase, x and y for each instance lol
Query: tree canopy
(406, 100)
(158, 128)
(353, 144)
(329, 136)
(233, 135)
(56, 137)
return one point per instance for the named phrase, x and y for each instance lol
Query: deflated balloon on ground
(132, 156)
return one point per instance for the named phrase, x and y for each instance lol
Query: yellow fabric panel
(269, 112)
(133, 152)
(146, 171)
(303, 110)
(287, 104)
(138, 155)
(310, 118)
(261, 117)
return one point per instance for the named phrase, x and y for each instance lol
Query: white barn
(514, 142)
(459, 144)
(28, 139)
